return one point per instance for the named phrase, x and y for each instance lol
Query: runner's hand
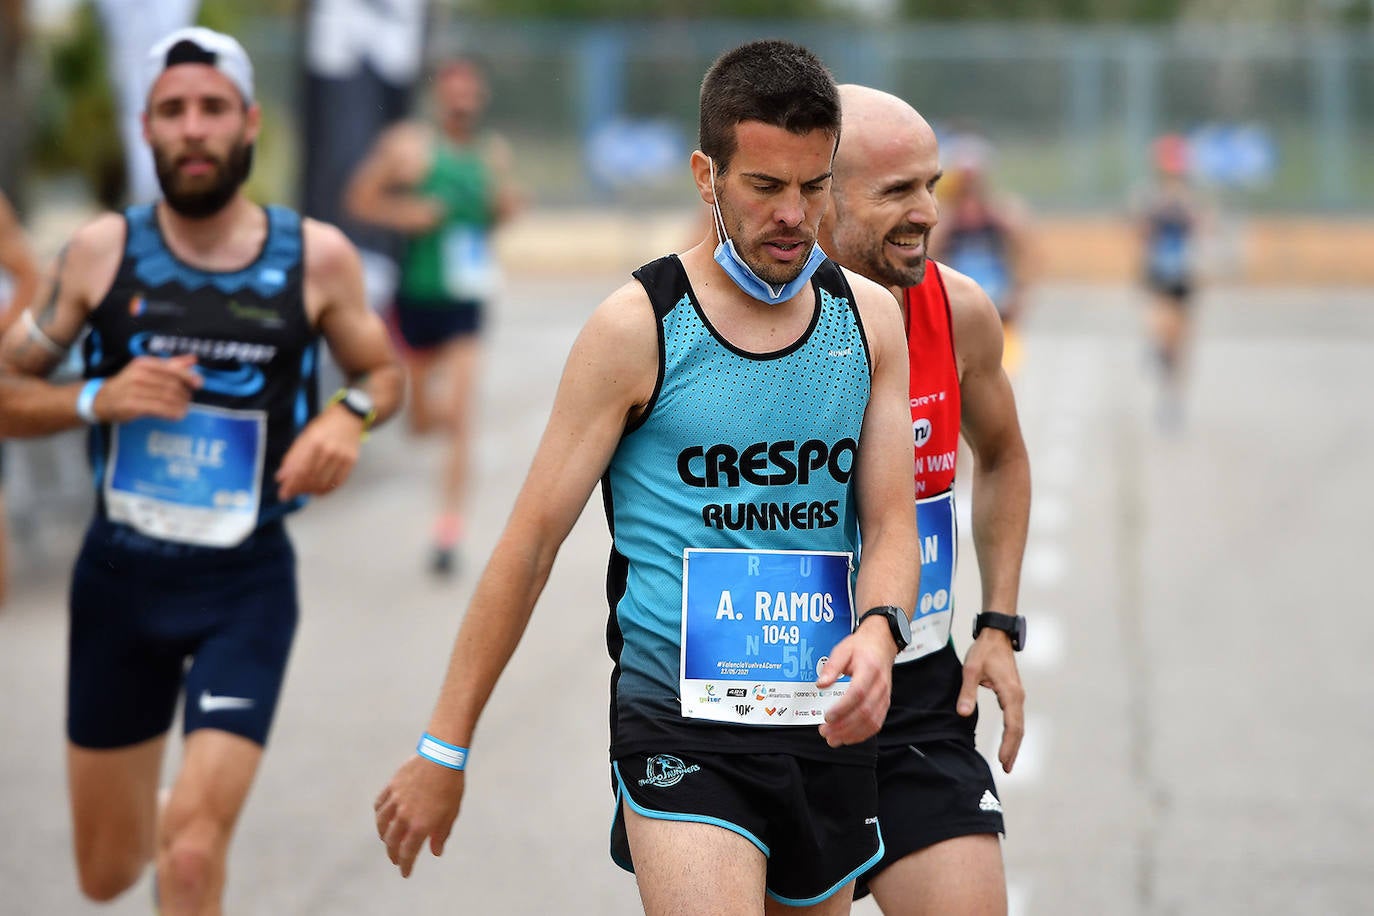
(866, 656)
(992, 663)
(322, 456)
(420, 803)
(149, 386)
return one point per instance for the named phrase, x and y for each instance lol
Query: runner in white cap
(205, 312)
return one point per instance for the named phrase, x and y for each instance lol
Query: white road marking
(1044, 642)
(1044, 565)
(1049, 514)
(1030, 759)
(1018, 897)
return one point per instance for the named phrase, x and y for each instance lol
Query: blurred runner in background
(982, 234)
(446, 186)
(1169, 219)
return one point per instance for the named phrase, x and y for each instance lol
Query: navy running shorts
(150, 618)
(427, 324)
(815, 822)
(931, 792)
(1178, 289)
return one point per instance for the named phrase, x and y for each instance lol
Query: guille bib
(194, 481)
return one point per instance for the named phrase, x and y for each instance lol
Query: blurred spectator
(359, 64)
(18, 284)
(981, 234)
(131, 28)
(445, 186)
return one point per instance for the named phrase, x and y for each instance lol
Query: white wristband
(442, 753)
(85, 401)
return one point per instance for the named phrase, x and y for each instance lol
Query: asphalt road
(1199, 706)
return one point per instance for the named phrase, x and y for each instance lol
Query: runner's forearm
(31, 407)
(1001, 508)
(497, 616)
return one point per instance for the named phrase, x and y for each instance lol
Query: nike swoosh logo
(211, 703)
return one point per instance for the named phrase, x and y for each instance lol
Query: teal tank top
(737, 450)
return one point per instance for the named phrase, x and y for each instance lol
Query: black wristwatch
(1014, 625)
(897, 621)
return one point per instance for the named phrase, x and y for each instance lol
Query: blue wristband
(447, 755)
(85, 401)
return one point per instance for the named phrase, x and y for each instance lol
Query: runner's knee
(191, 855)
(103, 877)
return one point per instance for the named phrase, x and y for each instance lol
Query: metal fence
(606, 113)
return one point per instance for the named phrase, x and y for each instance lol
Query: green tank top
(452, 261)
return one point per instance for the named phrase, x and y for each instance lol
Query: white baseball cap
(197, 45)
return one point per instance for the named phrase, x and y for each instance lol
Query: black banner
(361, 60)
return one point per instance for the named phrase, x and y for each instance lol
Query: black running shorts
(931, 792)
(815, 822)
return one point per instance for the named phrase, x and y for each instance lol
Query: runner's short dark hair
(776, 82)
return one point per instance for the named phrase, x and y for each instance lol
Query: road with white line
(1198, 719)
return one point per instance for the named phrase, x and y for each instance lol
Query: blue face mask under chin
(741, 273)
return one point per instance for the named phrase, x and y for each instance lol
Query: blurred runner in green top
(446, 186)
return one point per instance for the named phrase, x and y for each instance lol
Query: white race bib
(193, 481)
(470, 268)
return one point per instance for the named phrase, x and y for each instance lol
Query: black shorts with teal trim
(149, 618)
(815, 822)
(930, 792)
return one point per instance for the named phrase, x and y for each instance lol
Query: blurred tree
(77, 128)
(12, 37)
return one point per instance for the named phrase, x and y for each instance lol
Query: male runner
(447, 187)
(939, 808)
(19, 279)
(744, 409)
(204, 313)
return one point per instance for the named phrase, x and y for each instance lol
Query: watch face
(903, 625)
(359, 401)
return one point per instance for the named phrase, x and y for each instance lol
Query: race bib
(939, 552)
(757, 627)
(981, 263)
(470, 269)
(1168, 258)
(193, 481)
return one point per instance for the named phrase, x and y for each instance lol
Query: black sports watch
(1014, 625)
(897, 621)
